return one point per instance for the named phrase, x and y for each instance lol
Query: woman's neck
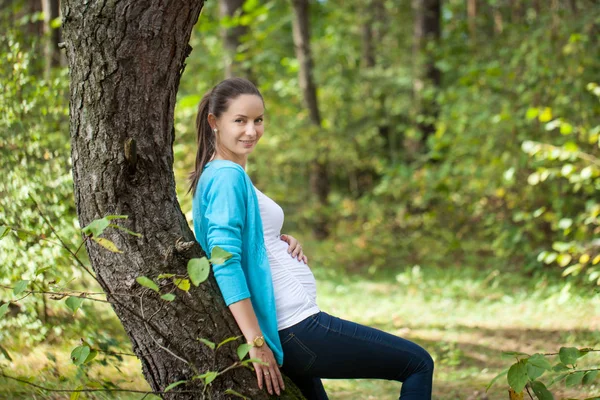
(238, 160)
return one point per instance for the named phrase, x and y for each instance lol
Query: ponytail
(205, 140)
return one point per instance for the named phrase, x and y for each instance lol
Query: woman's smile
(247, 143)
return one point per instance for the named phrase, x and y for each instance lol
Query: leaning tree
(126, 58)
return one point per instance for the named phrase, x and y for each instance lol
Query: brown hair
(216, 102)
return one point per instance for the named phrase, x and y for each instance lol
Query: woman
(266, 283)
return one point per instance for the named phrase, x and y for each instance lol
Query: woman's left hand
(295, 248)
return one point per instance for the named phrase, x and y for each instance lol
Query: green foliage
(243, 349)
(198, 270)
(35, 161)
(74, 303)
(528, 369)
(147, 282)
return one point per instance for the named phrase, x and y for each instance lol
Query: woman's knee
(427, 363)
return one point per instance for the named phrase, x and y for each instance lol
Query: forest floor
(465, 317)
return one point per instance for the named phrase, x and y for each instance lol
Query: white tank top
(293, 282)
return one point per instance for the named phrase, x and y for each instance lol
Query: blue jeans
(323, 346)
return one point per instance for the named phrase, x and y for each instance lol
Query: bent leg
(329, 347)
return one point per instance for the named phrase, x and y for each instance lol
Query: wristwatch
(258, 341)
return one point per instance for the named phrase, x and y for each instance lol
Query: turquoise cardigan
(226, 214)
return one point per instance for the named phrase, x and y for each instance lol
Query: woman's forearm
(246, 319)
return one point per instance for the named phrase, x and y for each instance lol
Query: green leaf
(541, 391)
(20, 287)
(4, 231)
(207, 342)
(557, 378)
(198, 270)
(545, 116)
(219, 256)
(43, 269)
(165, 276)
(3, 309)
(96, 227)
(589, 377)
(569, 355)
(500, 375)
(107, 244)
(534, 372)
(147, 282)
(91, 356)
(532, 113)
(209, 377)
(574, 378)
(55, 23)
(559, 367)
(173, 385)
(183, 284)
(229, 339)
(537, 364)
(168, 297)
(80, 354)
(74, 303)
(566, 128)
(540, 360)
(234, 393)
(243, 350)
(517, 376)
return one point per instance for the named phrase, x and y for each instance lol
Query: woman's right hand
(270, 373)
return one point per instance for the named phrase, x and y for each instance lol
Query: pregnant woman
(267, 283)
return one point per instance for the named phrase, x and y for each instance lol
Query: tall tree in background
(126, 59)
(472, 18)
(232, 38)
(427, 28)
(319, 180)
(53, 56)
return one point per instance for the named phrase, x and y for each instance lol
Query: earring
(215, 130)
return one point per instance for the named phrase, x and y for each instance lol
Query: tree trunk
(472, 18)
(573, 6)
(319, 180)
(427, 29)
(517, 10)
(126, 60)
(232, 39)
(498, 19)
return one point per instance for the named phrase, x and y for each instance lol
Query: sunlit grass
(465, 318)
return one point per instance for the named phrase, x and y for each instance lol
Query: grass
(465, 317)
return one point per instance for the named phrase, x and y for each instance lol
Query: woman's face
(239, 128)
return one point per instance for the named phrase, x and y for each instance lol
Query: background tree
(232, 35)
(427, 77)
(319, 171)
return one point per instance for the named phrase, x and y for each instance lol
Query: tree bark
(126, 60)
(427, 29)
(319, 179)
(232, 39)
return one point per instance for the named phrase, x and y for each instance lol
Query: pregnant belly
(284, 267)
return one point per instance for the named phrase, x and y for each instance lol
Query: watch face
(259, 341)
